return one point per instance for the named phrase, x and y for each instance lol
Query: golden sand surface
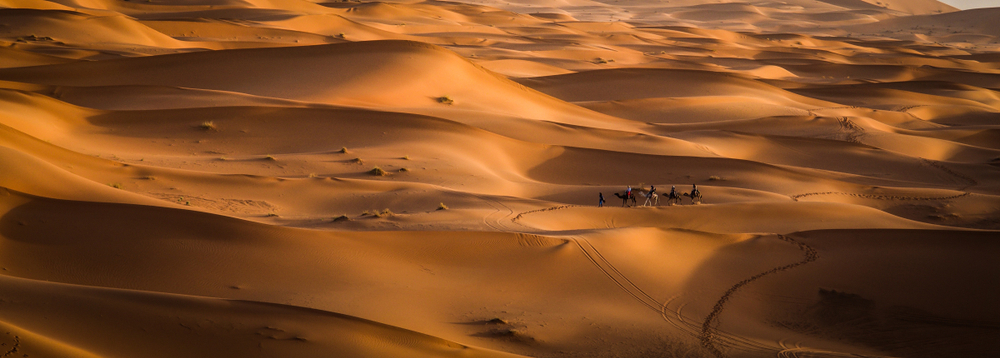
(400, 178)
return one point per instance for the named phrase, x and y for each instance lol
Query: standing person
(600, 203)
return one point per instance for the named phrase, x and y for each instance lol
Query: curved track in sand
(707, 331)
(937, 164)
(560, 207)
(882, 197)
(708, 328)
(692, 326)
(798, 351)
(495, 220)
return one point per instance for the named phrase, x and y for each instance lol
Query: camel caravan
(652, 198)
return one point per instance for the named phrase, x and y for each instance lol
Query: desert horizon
(406, 178)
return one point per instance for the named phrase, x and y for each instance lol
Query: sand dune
(78, 29)
(242, 178)
(15, 58)
(210, 326)
(976, 21)
(626, 84)
(327, 78)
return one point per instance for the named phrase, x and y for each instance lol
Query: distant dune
(259, 178)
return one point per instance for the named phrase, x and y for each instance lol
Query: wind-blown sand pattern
(257, 178)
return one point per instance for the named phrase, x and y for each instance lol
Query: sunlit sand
(262, 178)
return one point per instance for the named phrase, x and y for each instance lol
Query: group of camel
(654, 198)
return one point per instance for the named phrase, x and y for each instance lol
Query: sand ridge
(420, 178)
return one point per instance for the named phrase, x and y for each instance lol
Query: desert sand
(399, 178)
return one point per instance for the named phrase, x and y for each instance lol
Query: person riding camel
(652, 190)
(673, 191)
(694, 190)
(628, 192)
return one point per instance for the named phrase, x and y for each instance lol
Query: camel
(625, 198)
(695, 196)
(673, 198)
(654, 197)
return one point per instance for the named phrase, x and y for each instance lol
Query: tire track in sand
(500, 224)
(499, 208)
(624, 283)
(604, 265)
(616, 276)
(798, 351)
(708, 328)
(707, 333)
(692, 326)
(629, 287)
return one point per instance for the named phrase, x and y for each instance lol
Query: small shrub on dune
(442, 207)
(445, 100)
(384, 213)
(272, 215)
(341, 218)
(366, 213)
(271, 158)
(404, 169)
(378, 172)
(116, 185)
(715, 178)
(208, 126)
(357, 161)
(343, 150)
